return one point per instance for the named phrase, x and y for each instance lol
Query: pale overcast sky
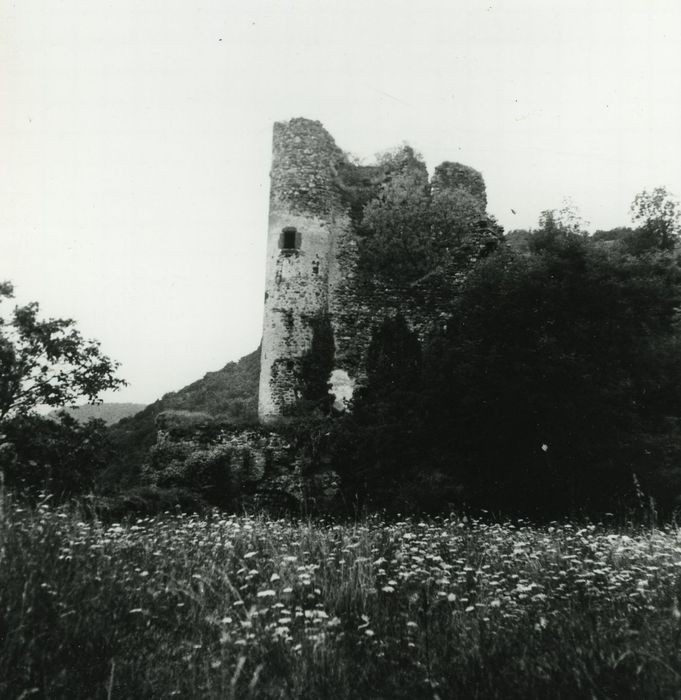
(136, 135)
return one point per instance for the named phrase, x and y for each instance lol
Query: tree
(395, 225)
(567, 219)
(47, 362)
(557, 228)
(658, 213)
(558, 376)
(377, 443)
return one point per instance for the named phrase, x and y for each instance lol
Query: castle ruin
(317, 270)
(313, 248)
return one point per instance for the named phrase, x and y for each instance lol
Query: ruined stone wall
(258, 467)
(254, 454)
(356, 312)
(314, 245)
(448, 177)
(358, 306)
(319, 193)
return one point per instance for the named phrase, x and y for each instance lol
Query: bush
(59, 455)
(205, 469)
(140, 502)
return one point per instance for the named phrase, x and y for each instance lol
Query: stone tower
(305, 213)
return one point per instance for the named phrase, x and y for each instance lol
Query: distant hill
(110, 413)
(230, 393)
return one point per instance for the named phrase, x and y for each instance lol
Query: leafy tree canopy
(658, 213)
(47, 362)
(572, 347)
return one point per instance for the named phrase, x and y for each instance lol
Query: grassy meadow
(248, 607)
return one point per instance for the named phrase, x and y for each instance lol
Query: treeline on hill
(108, 412)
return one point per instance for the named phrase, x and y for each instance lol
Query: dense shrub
(203, 468)
(555, 388)
(59, 454)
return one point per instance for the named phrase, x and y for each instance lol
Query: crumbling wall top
(305, 161)
(450, 176)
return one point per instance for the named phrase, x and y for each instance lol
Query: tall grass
(246, 607)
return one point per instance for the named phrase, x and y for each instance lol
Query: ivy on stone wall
(412, 229)
(360, 184)
(316, 366)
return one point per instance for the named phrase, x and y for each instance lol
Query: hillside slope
(230, 393)
(110, 413)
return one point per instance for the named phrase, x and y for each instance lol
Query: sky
(136, 140)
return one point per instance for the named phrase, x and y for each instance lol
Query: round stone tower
(304, 205)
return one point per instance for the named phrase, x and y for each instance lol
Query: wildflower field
(248, 607)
